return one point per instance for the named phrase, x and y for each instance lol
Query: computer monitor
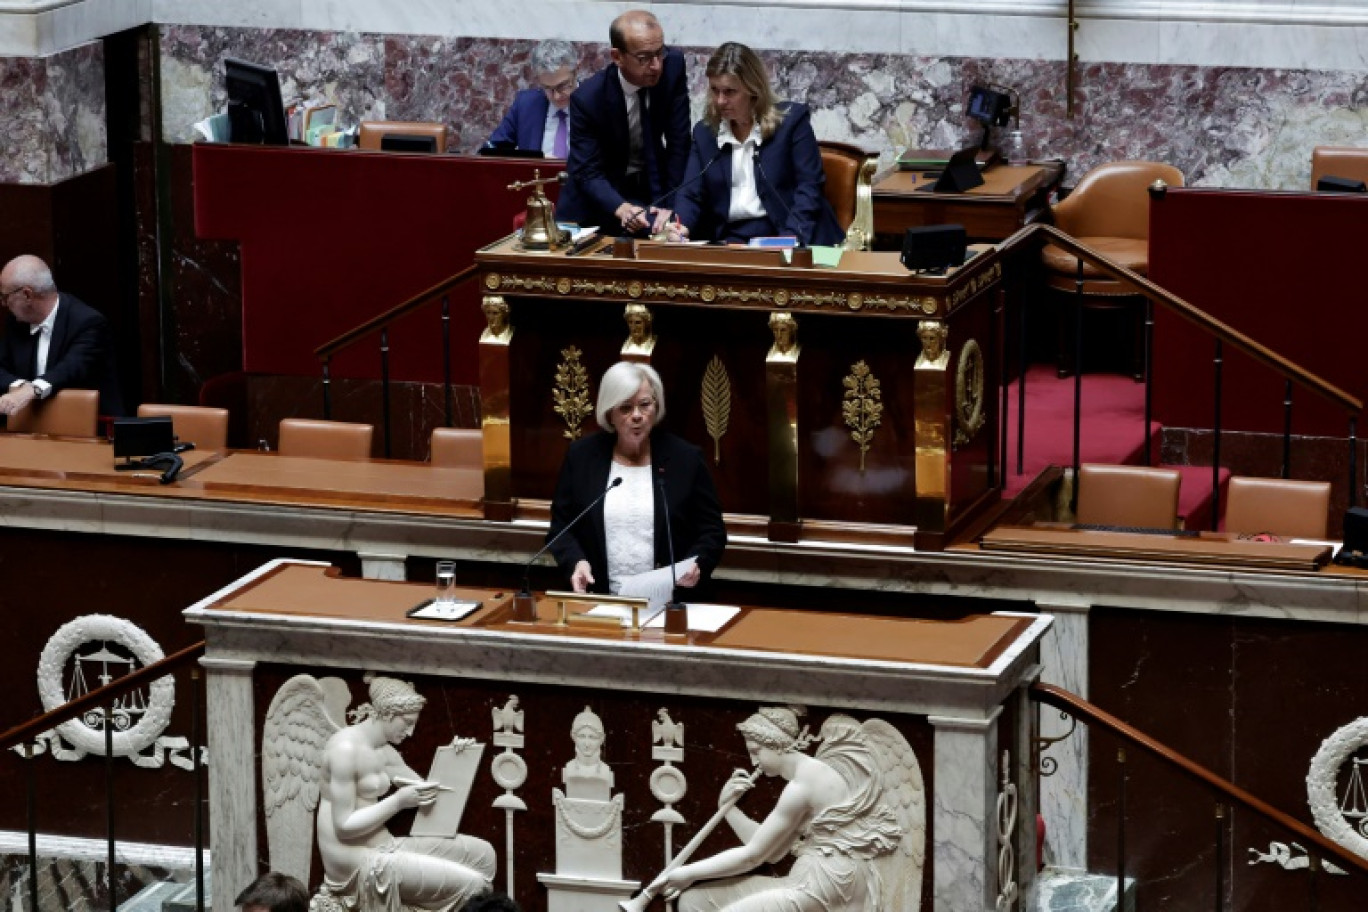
(256, 113)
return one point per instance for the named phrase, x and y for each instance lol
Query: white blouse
(629, 524)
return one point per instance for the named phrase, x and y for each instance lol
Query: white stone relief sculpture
(77, 659)
(357, 780)
(853, 815)
(668, 784)
(1008, 892)
(1345, 821)
(510, 772)
(588, 875)
(1290, 856)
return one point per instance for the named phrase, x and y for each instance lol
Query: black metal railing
(1226, 797)
(1222, 335)
(381, 324)
(102, 700)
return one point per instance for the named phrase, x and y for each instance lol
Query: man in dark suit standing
(539, 119)
(631, 138)
(52, 341)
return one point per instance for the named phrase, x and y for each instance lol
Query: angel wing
(298, 724)
(905, 793)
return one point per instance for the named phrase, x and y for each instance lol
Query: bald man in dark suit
(52, 341)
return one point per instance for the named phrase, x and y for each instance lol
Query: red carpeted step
(1194, 495)
(1112, 432)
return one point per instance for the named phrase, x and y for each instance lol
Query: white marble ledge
(1310, 597)
(44, 28)
(633, 664)
(75, 848)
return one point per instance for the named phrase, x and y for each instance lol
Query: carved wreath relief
(87, 653)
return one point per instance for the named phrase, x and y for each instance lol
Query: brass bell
(540, 231)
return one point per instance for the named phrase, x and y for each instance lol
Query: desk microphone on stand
(724, 148)
(802, 254)
(524, 606)
(676, 612)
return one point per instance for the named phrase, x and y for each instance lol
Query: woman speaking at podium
(628, 481)
(754, 166)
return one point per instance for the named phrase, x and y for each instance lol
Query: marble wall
(53, 109)
(1223, 126)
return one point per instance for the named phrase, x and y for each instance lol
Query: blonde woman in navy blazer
(754, 166)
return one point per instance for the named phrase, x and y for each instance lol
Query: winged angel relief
(355, 778)
(853, 816)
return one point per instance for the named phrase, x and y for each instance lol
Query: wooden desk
(928, 460)
(956, 698)
(248, 477)
(1011, 197)
(1203, 550)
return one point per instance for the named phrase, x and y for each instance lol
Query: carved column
(781, 398)
(230, 722)
(965, 811)
(931, 392)
(495, 382)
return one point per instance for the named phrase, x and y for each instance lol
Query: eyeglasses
(627, 409)
(561, 88)
(646, 58)
(6, 295)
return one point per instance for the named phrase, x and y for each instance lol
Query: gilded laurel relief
(863, 406)
(571, 392)
(716, 396)
(969, 393)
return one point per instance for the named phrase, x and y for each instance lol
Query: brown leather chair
(849, 189)
(1293, 509)
(1339, 161)
(373, 131)
(206, 428)
(325, 439)
(1121, 495)
(66, 413)
(457, 447)
(1109, 212)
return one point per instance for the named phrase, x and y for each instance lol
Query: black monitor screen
(256, 113)
(989, 107)
(399, 142)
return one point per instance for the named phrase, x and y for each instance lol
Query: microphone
(788, 213)
(676, 613)
(725, 147)
(524, 609)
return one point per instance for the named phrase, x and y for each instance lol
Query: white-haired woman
(625, 533)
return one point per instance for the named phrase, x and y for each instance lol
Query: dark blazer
(80, 354)
(695, 515)
(525, 122)
(599, 146)
(789, 178)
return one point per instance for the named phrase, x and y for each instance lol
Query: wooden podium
(854, 401)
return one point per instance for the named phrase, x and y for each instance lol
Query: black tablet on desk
(961, 173)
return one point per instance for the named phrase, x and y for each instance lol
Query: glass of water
(446, 582)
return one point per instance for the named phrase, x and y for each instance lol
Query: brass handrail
(380, 321)
(1189, 312)
(95, 698)
(1079, 708)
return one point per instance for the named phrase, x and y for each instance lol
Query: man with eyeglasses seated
(53, 340)
(657, 478)
(631, 139)
(539, 119)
